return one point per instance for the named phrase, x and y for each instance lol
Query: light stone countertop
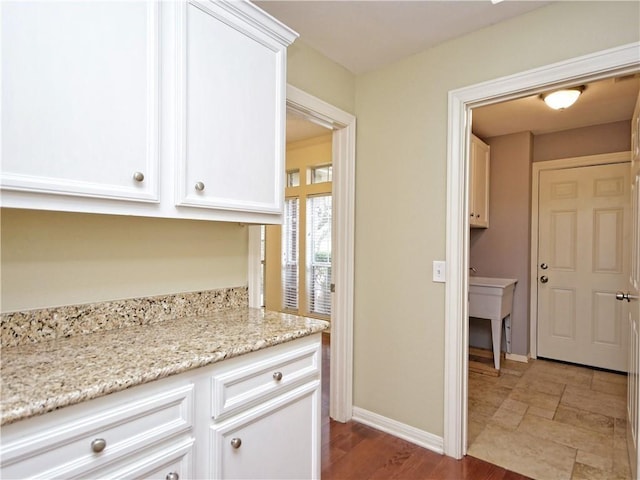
(45, 376)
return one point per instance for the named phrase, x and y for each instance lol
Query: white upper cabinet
(166, 109)
(479, 184)
(232, 155)
(80, 98)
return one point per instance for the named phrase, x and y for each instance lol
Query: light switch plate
(439, 267)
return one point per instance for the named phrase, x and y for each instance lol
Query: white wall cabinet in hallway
(479, 185)
(147, 108)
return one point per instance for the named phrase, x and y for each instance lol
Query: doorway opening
(342, 126)
(609, 63)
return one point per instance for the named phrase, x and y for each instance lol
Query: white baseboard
(517, 358)
(401, 430)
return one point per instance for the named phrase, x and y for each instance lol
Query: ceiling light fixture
(561, 99)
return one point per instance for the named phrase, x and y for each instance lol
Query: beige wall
(502, 250)
(54, 258)
(577, 142)
(314, 73)
(401, 192)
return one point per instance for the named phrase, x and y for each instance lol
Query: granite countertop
(42, 377)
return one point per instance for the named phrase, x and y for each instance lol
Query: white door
(583, 259)
(633, 385)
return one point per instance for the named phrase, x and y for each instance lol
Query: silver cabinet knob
(544, 279)
(98, 445)
(138, 176)
(199, 186)
(544, 266)
(236, 442)
(172, 476)
(277, 376)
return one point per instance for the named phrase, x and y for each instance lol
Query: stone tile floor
(549, 420)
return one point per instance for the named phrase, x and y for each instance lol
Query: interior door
(583, 260)
(631, 297)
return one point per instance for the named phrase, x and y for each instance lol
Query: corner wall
(401, 193)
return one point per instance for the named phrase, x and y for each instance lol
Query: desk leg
(496, 337)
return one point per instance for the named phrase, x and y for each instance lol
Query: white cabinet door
(231, 144)
(80, 98)
(479, 191)
(277, 440)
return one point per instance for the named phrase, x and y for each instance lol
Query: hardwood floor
(355, 451)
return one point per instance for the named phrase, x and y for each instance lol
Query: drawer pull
(200, 186)
(277, 376)
(98, 445)
(172, 476)
(138, 176)
(236, 442)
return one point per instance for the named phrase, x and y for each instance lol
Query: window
(293, 178)
(320, 174)
(290, 254)
(319, 254)
(298, 252)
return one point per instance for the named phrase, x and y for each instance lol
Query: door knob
(625, 296)
(544, 279)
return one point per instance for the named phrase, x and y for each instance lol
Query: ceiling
(365, 35)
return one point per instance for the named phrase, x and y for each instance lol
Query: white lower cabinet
(253, 416)
(272, 440)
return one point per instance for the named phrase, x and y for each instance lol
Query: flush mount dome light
(561, 99)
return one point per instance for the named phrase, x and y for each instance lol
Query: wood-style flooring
(355, 451)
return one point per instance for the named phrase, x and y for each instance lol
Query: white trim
(517, 358)
(343, 125)
(254, 264)
(615, 61)
(397, 429)
(586, 161)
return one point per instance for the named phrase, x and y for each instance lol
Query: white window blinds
(290, 254)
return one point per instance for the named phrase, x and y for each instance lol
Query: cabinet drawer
(244, 386)
(175, 458)
(66, 448)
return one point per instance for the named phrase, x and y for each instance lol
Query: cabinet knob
(138, 176)
(236, 442)
(477, 215)
(277, 376)
(544, 279)
(472, 215)
(199, 186)
(98, 445)
(172, 476)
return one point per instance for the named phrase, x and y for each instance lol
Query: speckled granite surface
(21, 328)
(41, 377)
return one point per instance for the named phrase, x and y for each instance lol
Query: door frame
(343, 125)
(559, 164)
(596, 66)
